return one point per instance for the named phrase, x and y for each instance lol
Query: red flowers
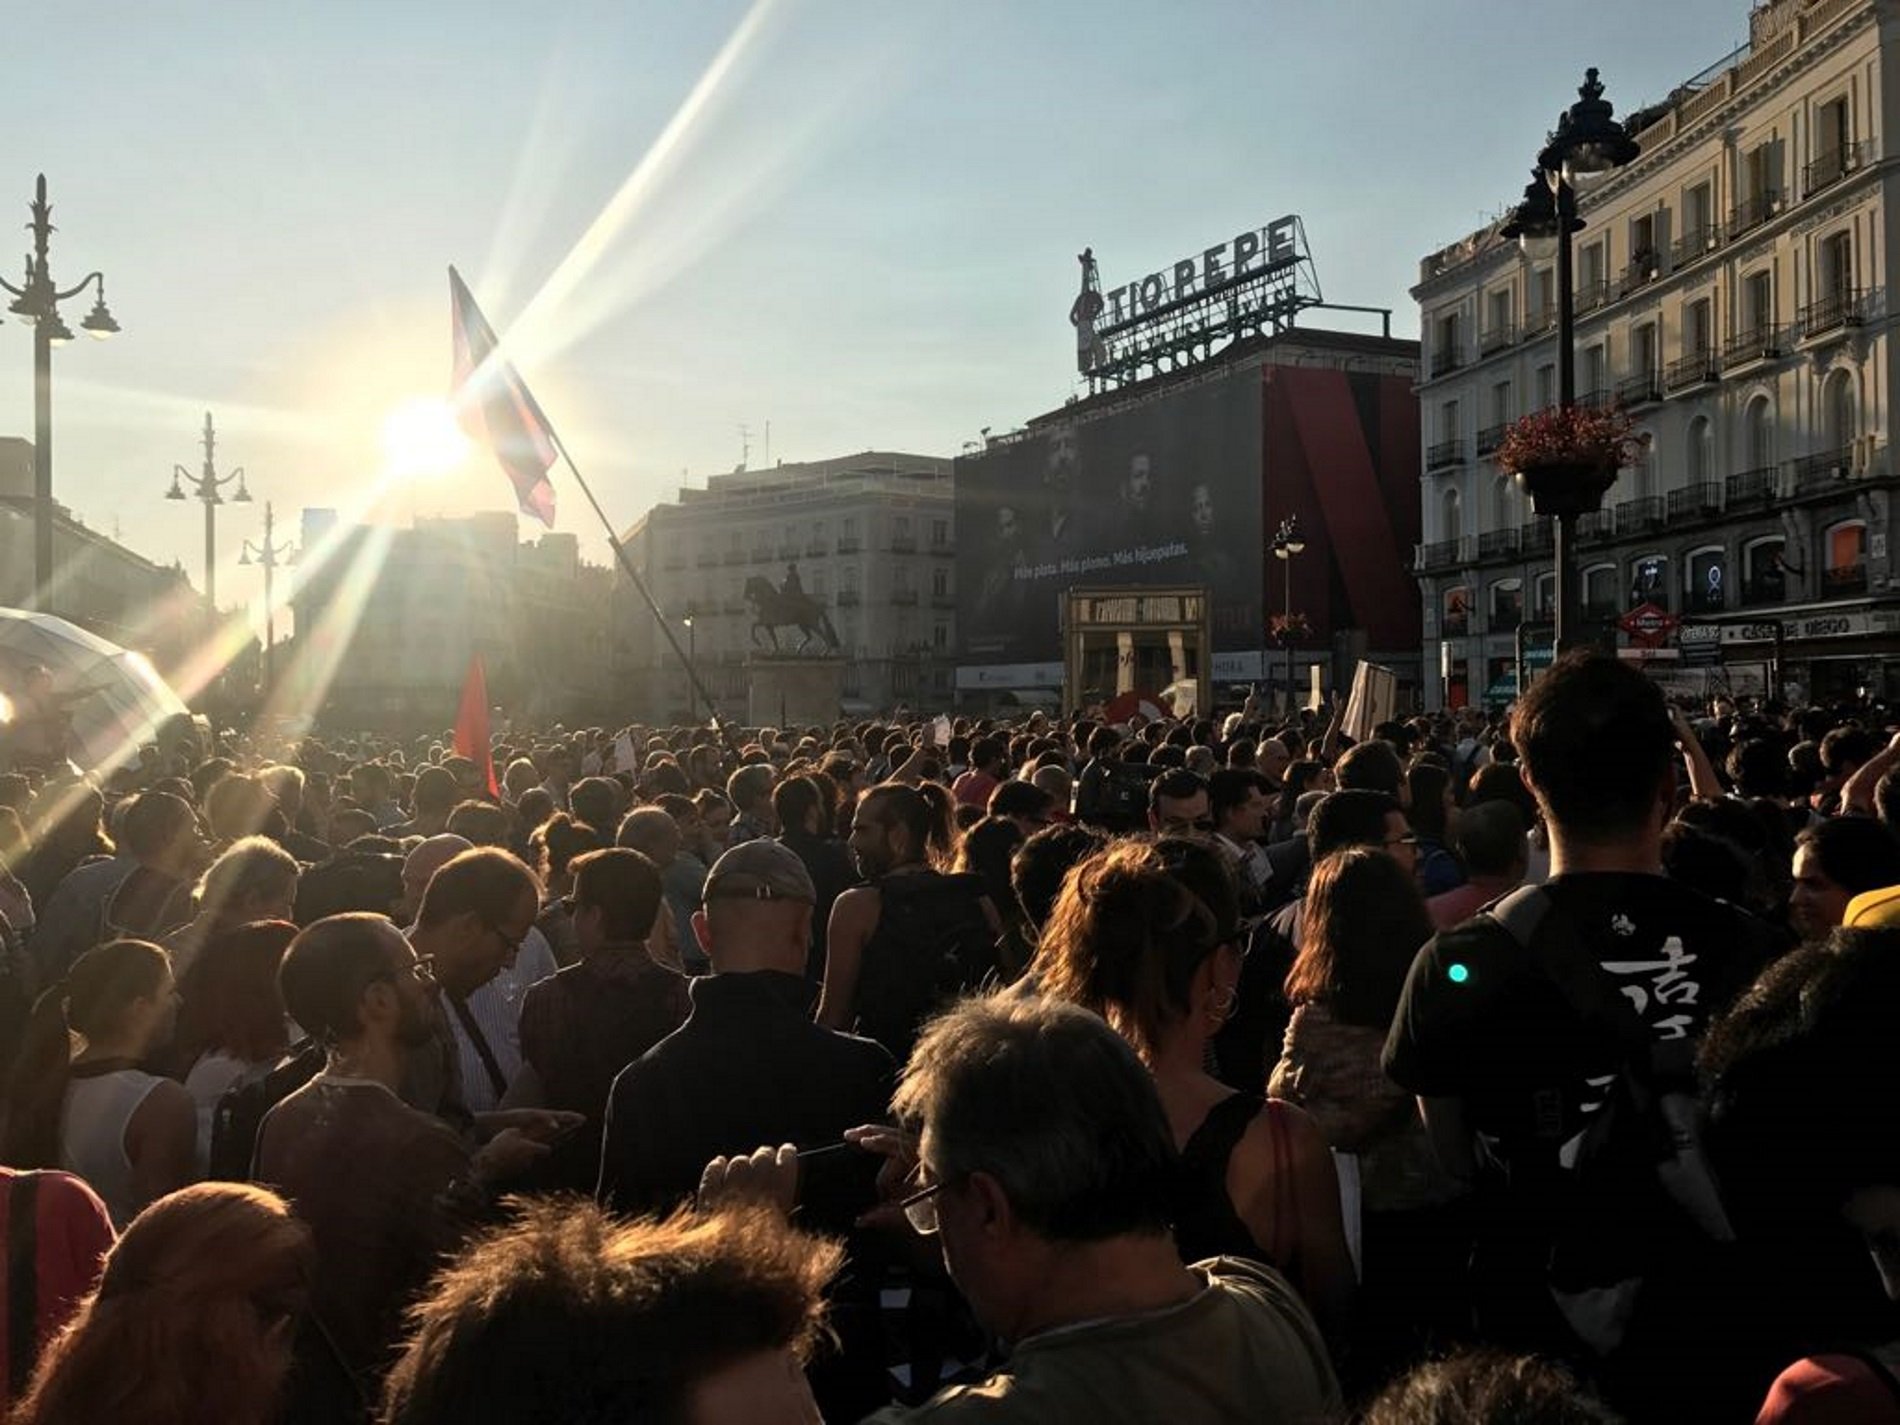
(1575, 435)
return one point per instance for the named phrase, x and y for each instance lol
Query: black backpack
(932, 943)
(239, 1116)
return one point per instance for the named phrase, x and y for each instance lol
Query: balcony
(1590, 296)
(1447, 360)
(1823, 470)
(1695, 501)
(1841, 583)
(1445, 453)
(1491, 437)
(1643, 389)
(1831, 167)
(1497, 544)
(1751, 213)
(847, 598)
(1441, 554)
(1835, 312)
(1595, 527)
(1692, 245)
(1596, 396)
(1698, 368)
(903, 544)
(1497, 339)
(1544, 319)
(904, 597)
(849, 544)
(1639, 516)
(1644, 268)
(1535, 538)
(1751, 489)
(1763, 343)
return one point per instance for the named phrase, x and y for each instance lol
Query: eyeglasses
(920, 1210)
(1407, 840)
(512, 943)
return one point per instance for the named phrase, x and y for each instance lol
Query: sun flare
(421, 439)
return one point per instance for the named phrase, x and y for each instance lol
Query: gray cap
(760, 870)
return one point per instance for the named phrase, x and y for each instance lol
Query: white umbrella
(114, 698)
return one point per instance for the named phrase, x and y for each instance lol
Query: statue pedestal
(789, 691)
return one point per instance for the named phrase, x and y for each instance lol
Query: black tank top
(1205, 1222)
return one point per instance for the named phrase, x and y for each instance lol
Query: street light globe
(1295, 545)
(1538, 247)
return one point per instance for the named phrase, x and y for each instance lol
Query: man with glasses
(476, 913)
(1178, 804)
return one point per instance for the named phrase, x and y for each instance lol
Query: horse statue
(773, 609)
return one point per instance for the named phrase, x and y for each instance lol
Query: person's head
(430, 855)
(435, 796)
(1834, 861)
(1372, 766)
(1139, 486)
(1041, 863)
(651, 832)
(1040, 1133)
(116, 996)
(1024, 803)
(1362, 923)
(519, 776)
(474, 915)
(1758, 767)
(1271, 760)
(570, 1314)
(348, 824)
(756, 910)
(1486, 1387)
(197, 1302)
(1429, 806)
(1352, 817)
(1491, 837)
(1239, 799)
(238, 806)
(555, 844)
(230, 1003)
(255, 879)
(480, 823)
(1201, 510)
(1131, 942)
(1804, 1068)
(616, 897)
(989, 755)
(1844, 749)
(800, 805)
(1597, 749)
(353, 979)
(750, 790)
(1178, 804)
(158, 830)
(370, 784)
(595, 802)
(891, 827)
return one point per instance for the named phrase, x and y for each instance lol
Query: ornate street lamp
(1288, 544)
(205, 487)
(36, 302)
(268, 555)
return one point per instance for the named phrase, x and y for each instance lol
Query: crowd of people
(1535, 1067)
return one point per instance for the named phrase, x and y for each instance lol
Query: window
(940, 636)
(1837, 266)
(1761, 173)
(848, 527)
(1833, 130)
(1758, 301)
(1452, 516)
(1704, 575)
(848, 581)
(1846, 546)
(1764, 572)
(1699, 451)
(900, 526)
(1544, 598)
(818, 590)
(1448, 421)
(1643, 244)
(939, 533)
(1644, 351)
(1649, 580)
(1500, 403)
(1503, 504)
(1546, 386)
(1544, 297)
(1449, 348)
(1591, 267)
(1698, 328)
(1839, 428)
(1499, 302)
(1600, 591)
(735, 541)
(1507, 605)
(1596, 366)
(1758, 434)
(1698, 220)
(1457, 620)
(940, 583)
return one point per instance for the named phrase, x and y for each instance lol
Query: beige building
(1731, 293)
(102, 586)
(871, 536)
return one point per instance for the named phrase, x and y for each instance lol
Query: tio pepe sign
(1274, 245)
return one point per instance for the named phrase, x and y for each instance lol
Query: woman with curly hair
(1135, 938)
(192, 1319)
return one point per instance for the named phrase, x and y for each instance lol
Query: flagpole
(640, 587)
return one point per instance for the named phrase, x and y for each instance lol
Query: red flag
(471, 726)
(495, 407)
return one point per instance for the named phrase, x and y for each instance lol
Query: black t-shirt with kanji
(1482, 1020)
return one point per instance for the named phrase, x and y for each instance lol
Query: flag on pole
(496, 408)
(471, 726)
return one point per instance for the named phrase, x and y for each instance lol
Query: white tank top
(92, 1135)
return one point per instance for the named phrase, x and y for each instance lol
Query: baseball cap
(1871, 909)
(760, 870)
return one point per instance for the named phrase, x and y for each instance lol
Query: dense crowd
(1538, 1067)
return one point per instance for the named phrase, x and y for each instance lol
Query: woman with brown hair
(1133, 937)
(78, 1099)
(1363, 924)
(192, 1320)
(231, 1024)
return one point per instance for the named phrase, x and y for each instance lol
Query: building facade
(387, 621)
(871, 536)
(1731, 294)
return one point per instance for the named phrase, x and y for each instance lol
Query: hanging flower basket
(1566, 457)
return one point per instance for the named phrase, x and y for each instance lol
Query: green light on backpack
(1457, 973)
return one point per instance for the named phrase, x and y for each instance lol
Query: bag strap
(490, 1064)
(23, 1306)
(1561, 955)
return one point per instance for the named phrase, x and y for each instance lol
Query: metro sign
(1648, 625)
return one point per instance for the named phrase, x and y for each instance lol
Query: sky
(856, 220)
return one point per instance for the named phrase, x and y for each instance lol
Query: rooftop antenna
(745, 445)
(768, 445)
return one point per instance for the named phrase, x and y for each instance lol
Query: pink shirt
(973, 789)
(1460, 903)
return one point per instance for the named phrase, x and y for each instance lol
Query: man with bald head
(421, 864)
(657, 835)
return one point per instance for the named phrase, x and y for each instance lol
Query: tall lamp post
(36, 302)
(269, 555)
(692, 665)
(1288, 543)
(1587, 147)
(205, 486)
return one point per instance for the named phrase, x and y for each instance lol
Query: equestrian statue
(785, 607)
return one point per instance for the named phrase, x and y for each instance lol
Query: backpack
(1589, 1215)
(239, 1116)
(1120, 796)
(932, 943)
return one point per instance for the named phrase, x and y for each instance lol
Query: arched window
(1544, 598)
(1457, 620)
(1641, 477)
(1845, 545)
(1758, 433)
(1699, 452)
(1839, 427)
(1503, 504)
(1452, 514)
(1649, 580)
(1764, 575)
(1705, 580)
(1507, 605)
(1600, 593)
